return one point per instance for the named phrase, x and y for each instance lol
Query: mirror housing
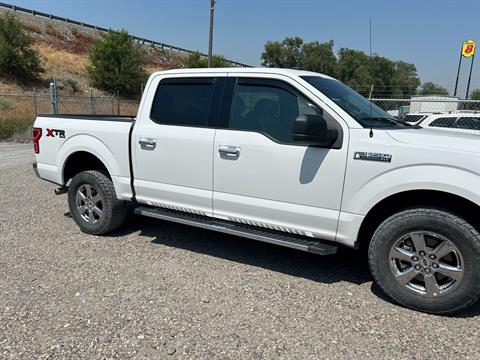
(312, 130)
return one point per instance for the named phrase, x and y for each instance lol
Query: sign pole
(469, 77)
(458, 71)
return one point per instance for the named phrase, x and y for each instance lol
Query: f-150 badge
(361, 155)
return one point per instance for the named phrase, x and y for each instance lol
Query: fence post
(53, 96)
(35, 101)
(92, 102)
(118, 102)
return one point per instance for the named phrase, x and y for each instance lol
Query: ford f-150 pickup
(288, 157)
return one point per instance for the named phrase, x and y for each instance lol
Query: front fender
(360, 198)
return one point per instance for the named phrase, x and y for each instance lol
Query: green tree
(117, 63)
(17, 57)
(475, 95)
(430, 88)
(285, 54)
(353, 67)
(319, 57)
(382, 72)
(405, 80)
(353, 70)
(197, 60)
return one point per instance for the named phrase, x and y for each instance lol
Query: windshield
(365, 112)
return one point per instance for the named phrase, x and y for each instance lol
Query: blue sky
(427, 33)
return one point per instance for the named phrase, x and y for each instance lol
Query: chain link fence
(427, 105)
(18, 111)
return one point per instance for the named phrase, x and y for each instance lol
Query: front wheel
(428, 260)
(93, 203)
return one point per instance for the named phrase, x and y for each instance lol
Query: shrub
(69, 84)
(117, 63)
(196, 60)
(5, 104)
(17, 57)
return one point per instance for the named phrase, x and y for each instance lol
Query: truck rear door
(173, 141)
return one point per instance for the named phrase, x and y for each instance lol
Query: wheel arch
(82, 160)
(415, 198)
(84, 147)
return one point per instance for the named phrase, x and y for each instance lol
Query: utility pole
(210, 35)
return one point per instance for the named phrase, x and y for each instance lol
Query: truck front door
(262, 177)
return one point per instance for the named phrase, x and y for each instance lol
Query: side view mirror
(312, 130)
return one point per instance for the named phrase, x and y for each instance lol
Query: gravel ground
(161, 290)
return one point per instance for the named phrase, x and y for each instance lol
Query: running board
(252, 232)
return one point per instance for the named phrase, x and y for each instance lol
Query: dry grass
(60, 62)
(16, 118)
(57, 63)
(18, 113)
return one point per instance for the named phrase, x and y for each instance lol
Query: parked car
(458, 122)
(287, 157)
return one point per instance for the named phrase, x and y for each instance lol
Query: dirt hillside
(64, 50)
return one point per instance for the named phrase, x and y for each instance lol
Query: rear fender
(92, 145)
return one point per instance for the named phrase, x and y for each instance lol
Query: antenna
(370, 37)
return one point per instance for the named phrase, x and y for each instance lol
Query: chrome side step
(252, 232)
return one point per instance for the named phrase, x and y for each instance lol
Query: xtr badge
(55, 132)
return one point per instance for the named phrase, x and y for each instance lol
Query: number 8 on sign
(468, 48)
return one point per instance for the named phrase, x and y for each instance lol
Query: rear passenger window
(268, 109)
(471, 123)
(443, 122)
(183, 102)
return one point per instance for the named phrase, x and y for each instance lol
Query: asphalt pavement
(156, 290)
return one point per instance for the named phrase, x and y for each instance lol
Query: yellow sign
(468, 48)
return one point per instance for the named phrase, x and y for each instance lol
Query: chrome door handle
(147, 143)
(229, 151)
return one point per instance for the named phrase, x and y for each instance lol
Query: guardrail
(99, 28)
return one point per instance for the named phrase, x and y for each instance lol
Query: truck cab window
(269, 110)
(182, 103)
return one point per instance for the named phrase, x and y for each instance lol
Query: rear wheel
(428, 260)
(93, 203)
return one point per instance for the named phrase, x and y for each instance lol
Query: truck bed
(107, 137)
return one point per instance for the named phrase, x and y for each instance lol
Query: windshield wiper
(392, 121)
(381, 120)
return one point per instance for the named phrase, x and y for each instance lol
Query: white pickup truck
(288, 157)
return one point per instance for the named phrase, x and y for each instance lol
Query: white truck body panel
(107, 140)
(178, 173)
(317, 192)
(253, 187)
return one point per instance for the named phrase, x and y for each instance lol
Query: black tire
(110, 212)
(427, 223)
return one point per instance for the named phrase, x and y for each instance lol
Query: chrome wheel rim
(426, 263)
(89, 204)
